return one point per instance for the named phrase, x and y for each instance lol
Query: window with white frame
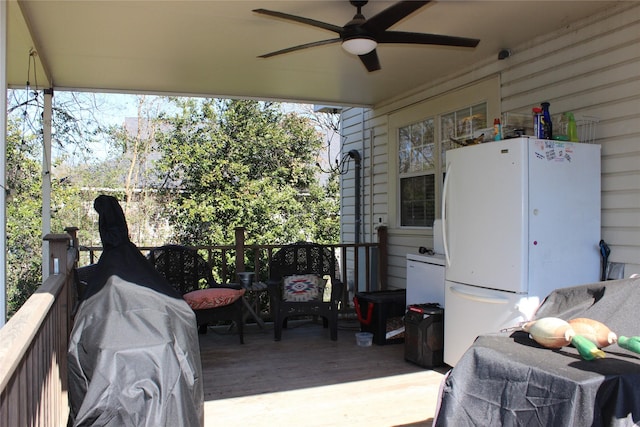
(416, 157)
(421, 159)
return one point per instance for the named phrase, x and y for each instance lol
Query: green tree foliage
(73, 127)
(239, 163)
(24, 213)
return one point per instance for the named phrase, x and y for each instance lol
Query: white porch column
(46, 178)
(3, 159)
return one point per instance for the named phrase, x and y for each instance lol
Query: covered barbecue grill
(134, 356)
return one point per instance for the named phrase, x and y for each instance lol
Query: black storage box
(381, 312)
(424, 335)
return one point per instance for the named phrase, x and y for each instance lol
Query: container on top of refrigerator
(485, 133)
(497, 129)
(585, 127)
(547, 124)
(537, 122)
(515, 125)
(572, 128)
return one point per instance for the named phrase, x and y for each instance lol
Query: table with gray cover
(508, 379)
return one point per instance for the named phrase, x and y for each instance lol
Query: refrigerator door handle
(443, 215)
(480, 298)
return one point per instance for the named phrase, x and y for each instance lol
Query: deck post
(382, 257)
(239, 249)
(58, 245)
(72, 293)
(73, 232)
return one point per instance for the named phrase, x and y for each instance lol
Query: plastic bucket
(364, 339)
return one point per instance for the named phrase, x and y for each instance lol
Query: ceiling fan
(360, 36)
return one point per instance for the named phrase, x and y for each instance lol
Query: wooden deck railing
(33, 347)
(352, 258)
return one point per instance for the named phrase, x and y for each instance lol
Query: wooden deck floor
(308, 380)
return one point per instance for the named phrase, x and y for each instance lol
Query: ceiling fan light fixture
(360, 35)
(359, 45)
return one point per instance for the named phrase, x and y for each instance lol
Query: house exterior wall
(591, 68)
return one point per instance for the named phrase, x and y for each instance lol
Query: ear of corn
(630, 343)
(587, 349)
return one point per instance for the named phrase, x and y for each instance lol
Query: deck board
(308, 380)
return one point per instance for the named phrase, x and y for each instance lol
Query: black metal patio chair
(304, 281)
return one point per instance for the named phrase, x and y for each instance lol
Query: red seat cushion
(212, 297)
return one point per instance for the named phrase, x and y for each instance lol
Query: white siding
(591, 68)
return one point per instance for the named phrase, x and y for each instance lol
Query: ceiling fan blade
(370, 60)
(300, 19)
(300, 47)
(392, 14)
(423, 38)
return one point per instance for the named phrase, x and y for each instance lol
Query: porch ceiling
(211, 47)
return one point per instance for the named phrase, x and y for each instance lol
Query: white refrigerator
(521, 217)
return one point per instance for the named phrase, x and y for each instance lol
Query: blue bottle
(547, 126)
